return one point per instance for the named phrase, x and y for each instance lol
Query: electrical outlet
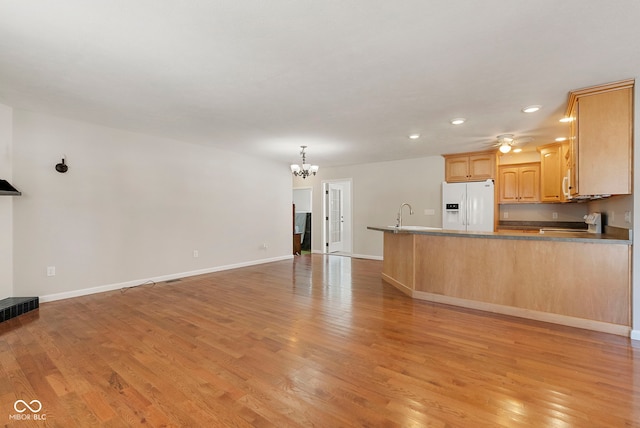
(265, 246)
(51, 271)
(627, 216)
(429, 212)
(554, 216)
(505, 214)
(196, 254)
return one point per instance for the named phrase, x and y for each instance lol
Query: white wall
(614, 209)
(6, 205)
(135, 207)
(302, 199)
(378, 190)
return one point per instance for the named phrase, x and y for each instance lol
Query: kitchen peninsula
(575, 279)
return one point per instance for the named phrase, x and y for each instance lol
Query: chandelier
(307, 169)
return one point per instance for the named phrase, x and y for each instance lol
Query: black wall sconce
(62, 167)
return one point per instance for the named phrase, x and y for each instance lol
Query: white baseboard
(355, 256)
(620, 330)
(365, 256)
(604, 327)
(162, 278)
(635, 335)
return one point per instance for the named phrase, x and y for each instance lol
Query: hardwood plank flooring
(316, 341)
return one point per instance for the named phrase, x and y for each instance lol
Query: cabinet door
(551, 173)
(604, 142)
(565, 162)
(573, 153)
(482, 167)
(529, 183)
(508, 185)
(457, 169)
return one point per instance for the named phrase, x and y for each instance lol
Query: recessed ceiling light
(531, 109)
(414, 136)
(561, 139)
(458, 121)
(566, 119)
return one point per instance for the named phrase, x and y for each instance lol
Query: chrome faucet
(399, 219)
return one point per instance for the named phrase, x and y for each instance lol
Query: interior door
(334, 194)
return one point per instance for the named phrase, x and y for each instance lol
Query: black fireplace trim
(11, 307)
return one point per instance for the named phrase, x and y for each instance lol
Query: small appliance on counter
(594, 222)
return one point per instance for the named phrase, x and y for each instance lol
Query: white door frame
(347, 236)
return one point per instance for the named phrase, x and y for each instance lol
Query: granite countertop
(612, 235)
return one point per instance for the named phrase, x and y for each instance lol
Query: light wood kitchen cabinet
(553, 169)
(519, 183)
(601, 139)
(476, 166)
(572, 162)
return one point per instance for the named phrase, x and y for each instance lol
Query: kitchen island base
(574, 283)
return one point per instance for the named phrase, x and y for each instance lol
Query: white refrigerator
(468, 206)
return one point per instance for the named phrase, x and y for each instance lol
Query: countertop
(612, 235)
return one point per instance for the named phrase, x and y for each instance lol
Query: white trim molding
(136, 283)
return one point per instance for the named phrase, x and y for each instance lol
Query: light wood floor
(318, 341)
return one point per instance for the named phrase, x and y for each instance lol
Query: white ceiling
(350, 79)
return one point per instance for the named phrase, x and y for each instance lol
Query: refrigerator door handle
(463, 210)
(468, 210)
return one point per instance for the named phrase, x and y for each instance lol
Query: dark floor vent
(11, 307)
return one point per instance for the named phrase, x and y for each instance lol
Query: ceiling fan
(505, 142)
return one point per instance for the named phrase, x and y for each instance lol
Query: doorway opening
(302, 202)
(337, 208)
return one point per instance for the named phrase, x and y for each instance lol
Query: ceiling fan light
(505, 147)
(505, 138)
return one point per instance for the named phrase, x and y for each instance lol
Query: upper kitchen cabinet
(477, 166)
(519, 183)
(553, 169)
(601, 139)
